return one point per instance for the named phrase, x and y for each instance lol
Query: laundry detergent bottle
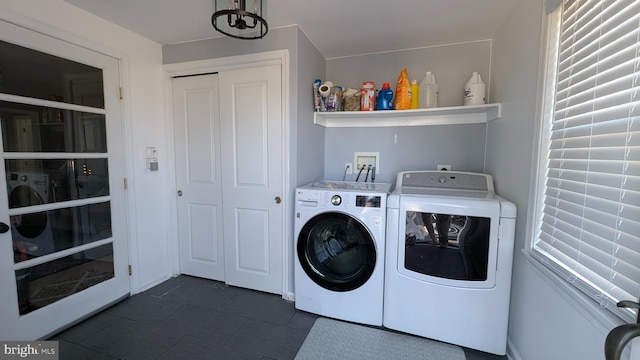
(428, 91)
(385, 98)
(474, 90)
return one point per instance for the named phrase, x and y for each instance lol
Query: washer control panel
(312, 198)
(368, 201)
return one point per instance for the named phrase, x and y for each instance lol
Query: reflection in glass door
(65, 218)
(34, 184)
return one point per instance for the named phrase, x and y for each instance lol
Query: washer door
(336, 251)
(29, 225)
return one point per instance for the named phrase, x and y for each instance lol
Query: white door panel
(203, 223)
(251, 124)
(197, 140)
(252, 241)
(249, 128)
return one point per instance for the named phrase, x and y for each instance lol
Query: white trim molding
(199, 67)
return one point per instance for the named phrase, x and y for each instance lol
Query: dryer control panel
(445, 180)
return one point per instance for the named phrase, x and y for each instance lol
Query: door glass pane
(43, 284)
(42, 233)
(35, 74)
(30, 128)
(447, 246)
(42, 181)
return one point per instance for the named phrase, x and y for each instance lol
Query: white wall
(417, 148)
(145, 123)
(545, 321)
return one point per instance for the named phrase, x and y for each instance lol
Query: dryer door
(449, 241)
(336, 251)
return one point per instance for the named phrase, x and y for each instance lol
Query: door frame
(199, 67)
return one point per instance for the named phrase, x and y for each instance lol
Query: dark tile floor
(192, 318)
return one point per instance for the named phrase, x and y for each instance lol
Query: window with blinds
(589, 179)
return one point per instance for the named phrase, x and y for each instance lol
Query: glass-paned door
(63, 253)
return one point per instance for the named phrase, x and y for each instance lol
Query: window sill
(603, 319)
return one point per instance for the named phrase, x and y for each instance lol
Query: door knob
(278, 200)
(3, 228)
(179, 192)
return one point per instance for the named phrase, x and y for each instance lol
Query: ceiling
(336, 27)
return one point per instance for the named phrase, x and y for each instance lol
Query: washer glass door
(31, 225)
(336, 251)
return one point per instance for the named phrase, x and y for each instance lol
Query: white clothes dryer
(450, 242)
(340, 245)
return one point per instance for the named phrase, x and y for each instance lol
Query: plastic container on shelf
(385, 98)
(334, 99)
(414, 94)
(474, 90)
(428, 91)
(368, 96)
(317, 100)
(351, 99)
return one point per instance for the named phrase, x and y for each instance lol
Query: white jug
(474, 90)
(428, 91)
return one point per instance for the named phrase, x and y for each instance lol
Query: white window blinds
(589, 220)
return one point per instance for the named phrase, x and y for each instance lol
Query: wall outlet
(444, 167)
(348, 168)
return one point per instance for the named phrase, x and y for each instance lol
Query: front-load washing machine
(31, 232)
(449, 258)
(340, 245)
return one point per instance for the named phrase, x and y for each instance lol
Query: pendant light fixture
(239, 22)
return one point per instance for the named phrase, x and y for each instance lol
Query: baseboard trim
(512, 353)
(83, 318)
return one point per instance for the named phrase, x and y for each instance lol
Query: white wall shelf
(436, 116)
